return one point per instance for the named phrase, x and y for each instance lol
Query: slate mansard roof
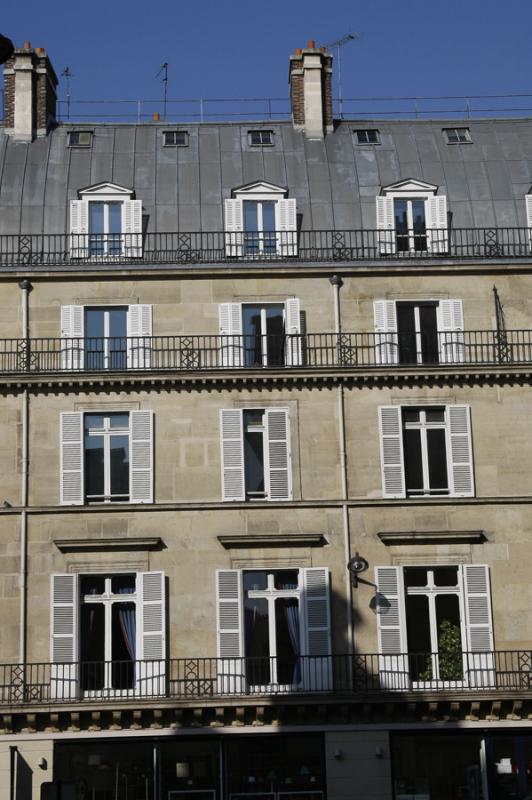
(335, 181)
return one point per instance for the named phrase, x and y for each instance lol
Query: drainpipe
(26, 287)
(336, 282)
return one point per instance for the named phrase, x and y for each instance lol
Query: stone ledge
(273, 540)
(431, 537)
(109, 543)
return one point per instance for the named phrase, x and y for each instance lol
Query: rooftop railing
(500, 672)
(351, 351)
(246, 249)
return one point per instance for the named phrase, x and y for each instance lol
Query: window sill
(431, 537)
(139, 543)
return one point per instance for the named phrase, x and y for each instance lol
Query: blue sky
(240, 49)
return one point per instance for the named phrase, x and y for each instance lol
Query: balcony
(500, 672)
(312, 351)
(249, 248)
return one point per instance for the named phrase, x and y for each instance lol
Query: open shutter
(385, 225)
(437, 224)
(293, 333)
(451, 331)
(479, 658)
(79, 228)
(139, 332)
(230, 632)
(386, 341)
(234, 228)
(528, 199)
(232, 442)
(64, 637)
(286, 224)
(279, 457)
(231, 339)
(151, 634)
(317, 657)
(132, 228)
(72, 341)
(391, 626)
(392, 458)
(460, 451)
(141, 457)
(71, 493)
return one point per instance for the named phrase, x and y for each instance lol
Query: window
(108, 634)
(107, 457)
(79, 138)
(274, 628)
(412, 218)
(175, 138)
(260, 222)
(367, 136)
(419, 332)
(105, 223)
(256, 460)
(457, 135)
(426, 451)
(261, 335)
(106, 337)
(260, 138)
(434, 625)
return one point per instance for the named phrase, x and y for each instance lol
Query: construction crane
(339, 43)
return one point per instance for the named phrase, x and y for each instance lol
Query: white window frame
(436, 235)
(130, 236)
(366, 131)
(467, 134)
(423, 426)
(261, 133)
(106, 326)
(285, 220)
(107, 433)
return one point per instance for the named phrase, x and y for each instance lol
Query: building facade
(265, 453)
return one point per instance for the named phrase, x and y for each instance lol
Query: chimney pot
(311, 44)
(156, 116)
(26, 45)
(298, 51)
(40, 50)
(310, 79)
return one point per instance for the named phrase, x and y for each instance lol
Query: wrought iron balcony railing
(268, 352)
(502, 672)
(248, 248)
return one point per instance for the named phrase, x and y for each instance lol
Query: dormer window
(457, 135)
(412, 218)
(367, 136)
(260, 138)
(260, 222)
(106, 223)
(79, 138)
(175, 138)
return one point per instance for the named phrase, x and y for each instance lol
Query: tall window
(105, 222)
(105, 228)
(260, 221)
(433, 626)
(264, 328)
(108, 631)
(410, 224)
(425, 449)
(105, 338)
(417, 328)
(259, 227)
(272, 627)
(412, 218)
(106, 458)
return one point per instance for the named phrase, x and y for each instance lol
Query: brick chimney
(310, 79)
(30, 98)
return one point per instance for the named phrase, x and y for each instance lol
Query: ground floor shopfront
(474, 763)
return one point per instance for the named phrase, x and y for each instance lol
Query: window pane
(92, 646)
(268, 216)
(287, 637)
(255, 580)
(123, 584)
(429, 334)
(96, 217)
(286, 579)
(115, 217)
(250, 216)
(410, 414)
(418, 216)
(446, 576)
(437, 456)
(92, 584)
(251, 321)
(416, 576)
(275, 333)
(120, 466)
(413, 465)
(118, 421)
(407, 333)
(435, 415)
(254, 462)
(94, 467)
(123, 642)
(93, 422)
(118, 322)
(257, 640)
(94, 342)
(449, 637)
(94, 322)
(418, 633)
(401, 225)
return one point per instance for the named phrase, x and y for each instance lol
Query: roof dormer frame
(259, 190)
(410, 187)
(105, 190)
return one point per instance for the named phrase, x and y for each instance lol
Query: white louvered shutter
(141, 457)
(317, 653)
(64, 637)
(139, 332)
(392, 457)
(286, 224)
(386, 339)
(79, 228)
(391, 628)
(528, 199)
(230, 631)
(279, 469)
(451, 331)
(231, 339)
(71, 492)
(72, 337)
(460, 451)
(132, 228)
(151, 634)
(385, 225)
(294, 349)
(234, 228)
(479, 659)
(232, 456)
(437, 224)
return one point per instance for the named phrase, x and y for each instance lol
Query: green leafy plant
(449, 654)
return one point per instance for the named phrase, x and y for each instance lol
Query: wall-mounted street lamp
(356, 566)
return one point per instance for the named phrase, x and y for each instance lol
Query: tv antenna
(68, 75)
(339, 43)
(164, 72)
